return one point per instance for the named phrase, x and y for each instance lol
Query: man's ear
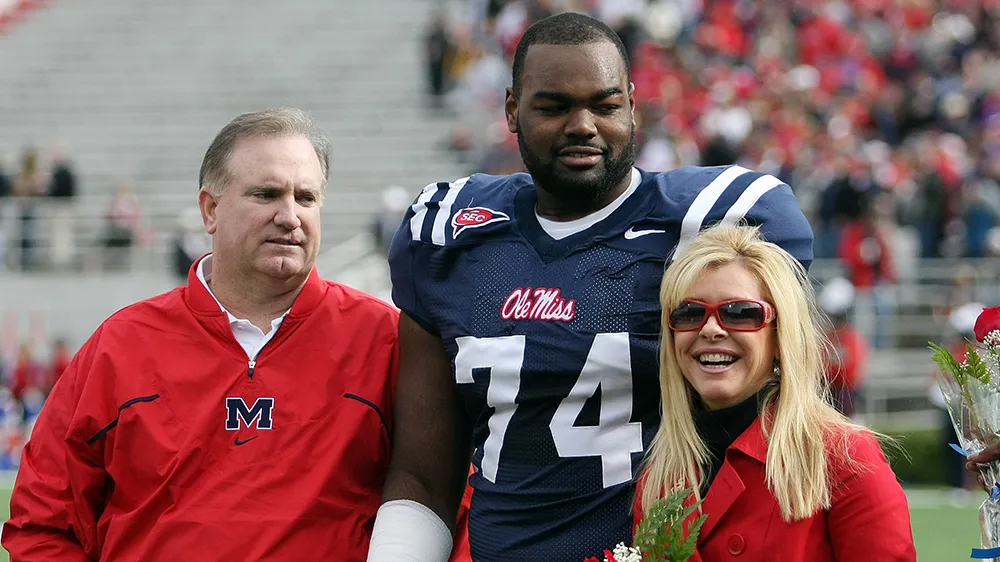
(631, 100)
(208, 204)
(510, 109)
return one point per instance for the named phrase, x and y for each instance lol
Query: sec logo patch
(475, 217)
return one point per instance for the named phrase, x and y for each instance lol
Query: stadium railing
(896, 394)
(151, 251)
(36, 221)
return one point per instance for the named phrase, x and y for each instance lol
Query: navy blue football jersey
(554, 342)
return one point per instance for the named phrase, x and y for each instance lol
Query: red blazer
(868, 520)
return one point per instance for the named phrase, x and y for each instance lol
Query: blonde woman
(783, 475)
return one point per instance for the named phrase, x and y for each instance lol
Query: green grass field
(943, 533)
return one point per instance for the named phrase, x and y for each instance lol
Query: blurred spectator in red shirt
(847, 364)
(27, 373)
(866, 249)
(61, 356)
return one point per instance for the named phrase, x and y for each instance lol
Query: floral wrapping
(971, 390)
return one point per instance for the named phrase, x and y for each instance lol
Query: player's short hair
(567, 28)
(280, 122)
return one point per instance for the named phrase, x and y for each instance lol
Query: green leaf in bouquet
(975, 366)
(687, 547)
(948, 364)
(660, 533)
(652, 531)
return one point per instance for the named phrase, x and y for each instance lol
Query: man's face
(574, 120)
(267, 219)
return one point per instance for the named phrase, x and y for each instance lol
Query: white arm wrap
(407, 531)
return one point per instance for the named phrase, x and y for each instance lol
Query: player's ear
(510, 109)
(208, 204)
(631, 101)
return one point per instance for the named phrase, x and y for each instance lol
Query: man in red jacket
(244, 416)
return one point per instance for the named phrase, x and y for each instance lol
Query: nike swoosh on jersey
(632, 233)
(245, 441)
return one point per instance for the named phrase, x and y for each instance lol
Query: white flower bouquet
(971, 390)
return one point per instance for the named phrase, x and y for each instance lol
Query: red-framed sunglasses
(738, 315)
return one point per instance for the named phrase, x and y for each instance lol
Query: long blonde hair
(796, 415)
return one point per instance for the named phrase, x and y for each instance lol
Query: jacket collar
(728, 485)
(202, 302)
(751, 442)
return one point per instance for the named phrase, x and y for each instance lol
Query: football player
(530, 315)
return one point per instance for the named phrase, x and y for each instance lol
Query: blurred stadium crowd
(27, 378)
(883, 115)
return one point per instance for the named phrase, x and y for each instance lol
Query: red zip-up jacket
(161, 441)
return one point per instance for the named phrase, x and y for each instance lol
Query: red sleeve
(637, 503)
(60, 488)
(869, 518)
(460, 551)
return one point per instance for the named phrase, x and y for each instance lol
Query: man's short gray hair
(215, 173)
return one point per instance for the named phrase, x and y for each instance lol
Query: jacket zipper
(252, 363)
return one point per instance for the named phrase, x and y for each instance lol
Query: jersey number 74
(608, 367)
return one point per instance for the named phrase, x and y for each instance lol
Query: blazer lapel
(721, 495)
(728, 485)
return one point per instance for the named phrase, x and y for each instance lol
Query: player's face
(724, 366)
(267, 219)
(574, 121)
